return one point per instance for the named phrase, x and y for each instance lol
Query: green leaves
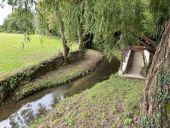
(104, 18)
(19, 21)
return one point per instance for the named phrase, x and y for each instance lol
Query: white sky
(4, 12)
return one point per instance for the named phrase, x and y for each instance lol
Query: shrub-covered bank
(11, 83)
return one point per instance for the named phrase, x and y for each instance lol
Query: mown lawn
(14, 57)
(113, 103)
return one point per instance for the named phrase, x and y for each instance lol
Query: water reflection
(31, 110)
(18, 115)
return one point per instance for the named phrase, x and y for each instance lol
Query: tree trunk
(157, 86)
(63, 40)
(80, 34)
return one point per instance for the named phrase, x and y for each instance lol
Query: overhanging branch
(148, 47)
(151, 42)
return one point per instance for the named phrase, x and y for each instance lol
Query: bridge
(135, 64)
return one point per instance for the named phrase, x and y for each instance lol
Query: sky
(4, 12)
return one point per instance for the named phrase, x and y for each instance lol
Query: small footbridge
(135, 64)
(136, 60)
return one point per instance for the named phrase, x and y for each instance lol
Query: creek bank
(18, 113)
(111, 103)
(36, 78)
(10, 83)
(62, 75)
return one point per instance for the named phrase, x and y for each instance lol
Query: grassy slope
(14, 57)
(62, 75)
(112, 103)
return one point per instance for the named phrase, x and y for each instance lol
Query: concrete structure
(135, 63)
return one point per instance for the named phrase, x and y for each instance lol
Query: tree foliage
(160, 10)
(19, 21)
(105, 18)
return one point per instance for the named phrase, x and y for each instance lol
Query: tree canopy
(104, 18)
(19, 21)
(114, 23)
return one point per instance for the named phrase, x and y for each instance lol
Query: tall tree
(74, 20)
(157, 86)
(105, 18)
(56, 8)
(158, 80)
(80, 23)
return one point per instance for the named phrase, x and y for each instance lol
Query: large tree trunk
(157, 86)
(80, 34)
(63, 40)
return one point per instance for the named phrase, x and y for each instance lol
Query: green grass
(167, 108)
(14, 57)
(62, 75)
(111, 103)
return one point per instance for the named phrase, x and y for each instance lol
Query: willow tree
(104, 18)
(56, 7)
(80, 23)
(74, 20)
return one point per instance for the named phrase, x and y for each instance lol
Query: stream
(20, 114)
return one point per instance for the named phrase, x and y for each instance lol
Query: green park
(84, 64)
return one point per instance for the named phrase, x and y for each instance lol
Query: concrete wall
(147, 57)
(10, 83)
(124, 63)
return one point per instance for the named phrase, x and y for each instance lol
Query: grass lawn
(113, 103)
(14, 57)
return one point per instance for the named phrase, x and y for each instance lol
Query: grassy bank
(110, 104)
(14, 57)
(61, 75)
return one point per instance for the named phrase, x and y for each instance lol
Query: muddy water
(19, 114)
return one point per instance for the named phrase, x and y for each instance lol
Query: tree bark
(154, 99)
(63, 40)
(80, 34)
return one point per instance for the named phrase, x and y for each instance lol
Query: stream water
(19, 114)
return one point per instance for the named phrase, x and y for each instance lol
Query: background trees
(160, 10)
(103, 18)
(19, 21)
